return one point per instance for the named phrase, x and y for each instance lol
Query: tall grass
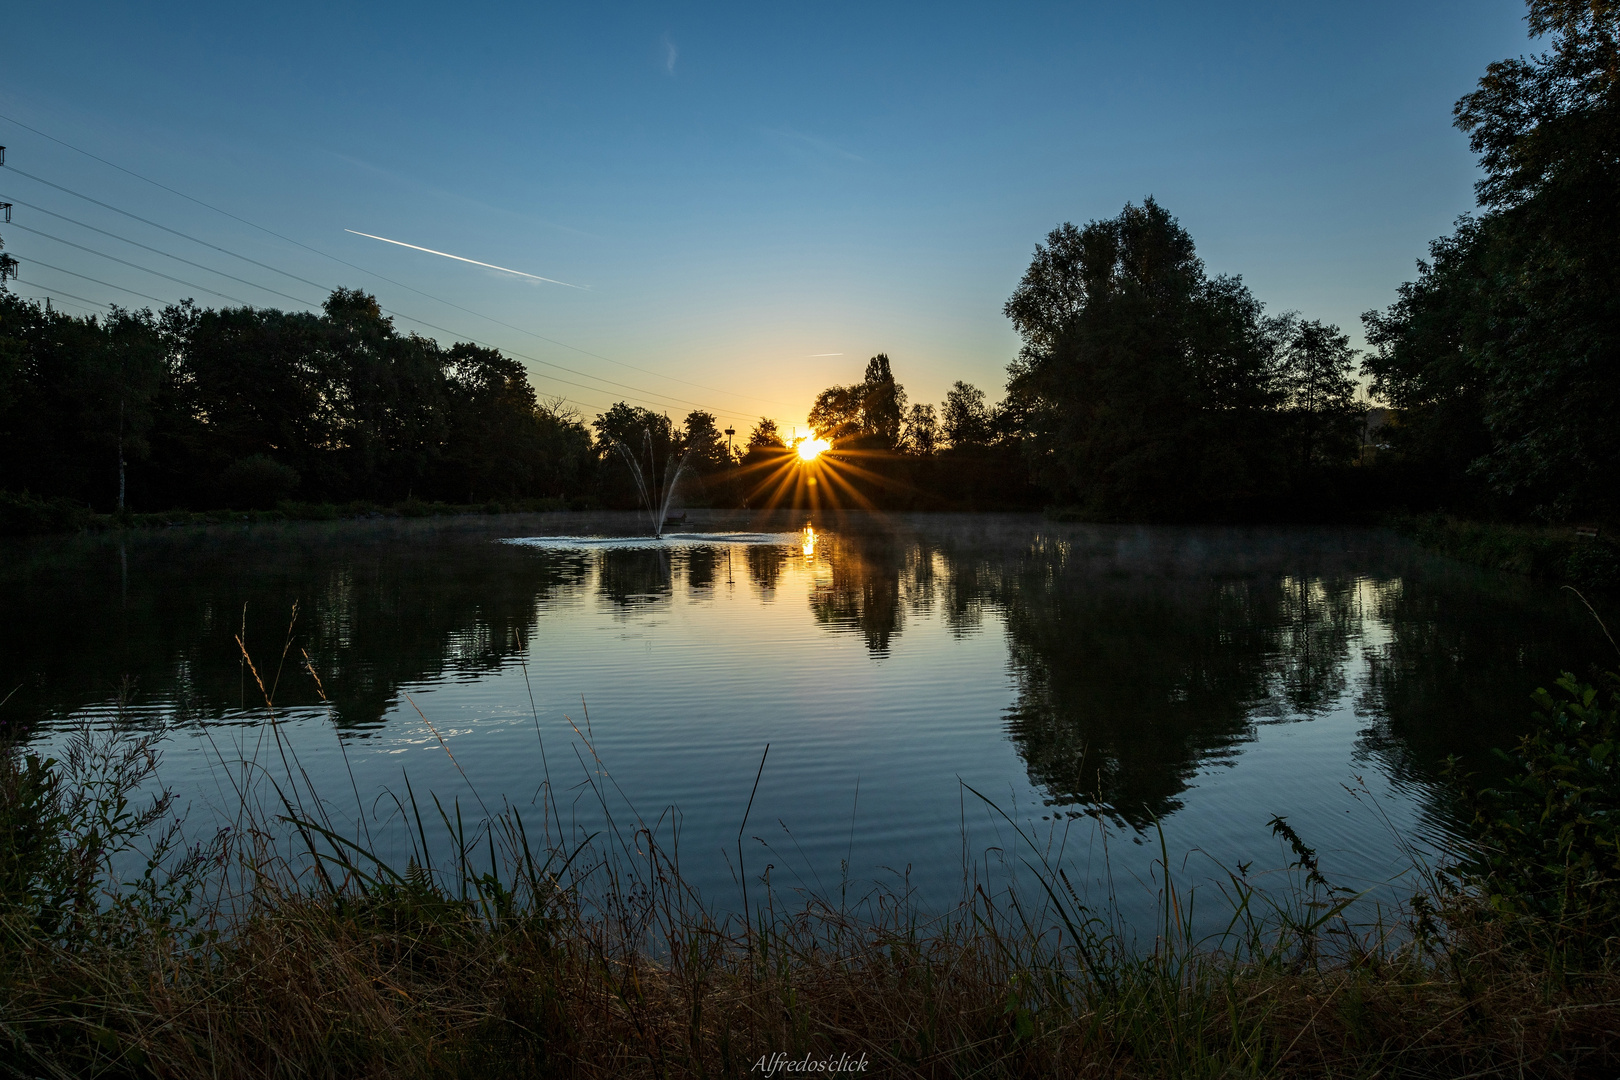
(285, 945)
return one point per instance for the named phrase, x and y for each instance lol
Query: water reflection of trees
(765, 565)
(163, 610)
(1137, 656)
(633, 575)
(867, 581)
(1128, 683)
(1140, 656)
(1317, 620)
(1460, 653)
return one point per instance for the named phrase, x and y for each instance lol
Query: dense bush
(1546, 848)
(22, 514)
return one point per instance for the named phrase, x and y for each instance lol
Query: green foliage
(1145, 387)
(965, 419)
(1547, 552)
(257, 482)
(22, 514)
(1547, 847)
(65, 827)
(1504, 354)
(242, 406)
(870, 414)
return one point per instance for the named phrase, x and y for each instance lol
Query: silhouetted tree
(496, 437)
(883, 405)
(921, 434)
(765, 433)
(243, 406)
(836, 414)
(1503, 356)
(1319, 392)
(631, 425)
(705, 445)
(965, 419)
(869, 415)
(1144, 385)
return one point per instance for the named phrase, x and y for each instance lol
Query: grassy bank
(281, 947)
(1554, 553)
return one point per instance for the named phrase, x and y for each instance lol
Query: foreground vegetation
(1556, 553)
(129, 949)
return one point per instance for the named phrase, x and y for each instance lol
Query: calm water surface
(1090, 680)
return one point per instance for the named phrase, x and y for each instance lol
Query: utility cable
(136, 266)
(192, 285)
(344, 262)
(324, 288)
(105, 284)
(155, 225)
(62, 295)
(165, 254)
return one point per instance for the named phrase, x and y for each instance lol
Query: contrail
(814, 354)
(458, 258)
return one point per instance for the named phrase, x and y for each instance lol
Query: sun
(810, 449)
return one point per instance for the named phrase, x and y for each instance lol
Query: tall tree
(965, 418)
(871, 414)
(1510, 335)
(1144, 385)
(921, 435)
(493, 430)
(1319, 391)
(883, 405)
(766, 434)
(705, 445)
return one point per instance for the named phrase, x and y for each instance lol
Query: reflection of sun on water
(809, 541)
(810, 449)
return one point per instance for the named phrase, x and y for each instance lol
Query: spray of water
(656, 496)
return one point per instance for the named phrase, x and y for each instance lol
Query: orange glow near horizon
(810, 449)
(813, 474)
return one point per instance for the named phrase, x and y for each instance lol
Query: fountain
(655, 497)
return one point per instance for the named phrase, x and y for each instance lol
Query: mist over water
(1093, 681)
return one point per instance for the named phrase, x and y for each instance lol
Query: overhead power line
(165, 254)
(64, 295)
(363, 270)
(98, 281)
(165, 228)
(138, 266)
(236, 300)
(421, 322)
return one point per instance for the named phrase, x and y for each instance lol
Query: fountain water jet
(655, 497)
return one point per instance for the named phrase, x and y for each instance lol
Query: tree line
(245, 407)
(1146, 388)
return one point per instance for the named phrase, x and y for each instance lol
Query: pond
(926, 685)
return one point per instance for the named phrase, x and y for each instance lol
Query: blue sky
(738, 188)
